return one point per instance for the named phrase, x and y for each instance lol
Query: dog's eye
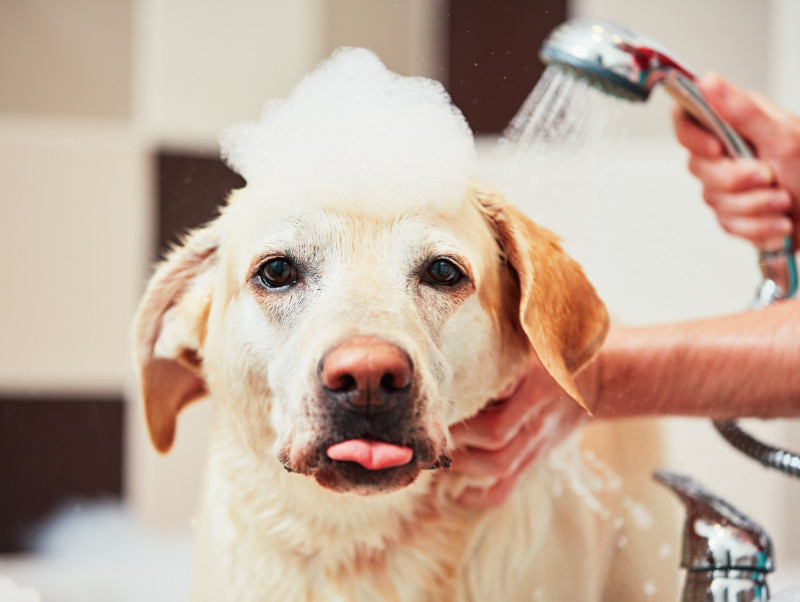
(277, 273)
(443, 272)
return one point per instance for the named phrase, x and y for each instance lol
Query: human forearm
(732, 366)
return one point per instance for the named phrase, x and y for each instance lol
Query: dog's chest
(265, 534)
(277, 543)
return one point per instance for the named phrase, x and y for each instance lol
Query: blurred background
(109, 115)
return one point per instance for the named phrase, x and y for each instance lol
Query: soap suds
(584, 474)
(641, 516)
(354, 132)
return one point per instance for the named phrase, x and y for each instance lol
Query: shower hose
(785, 271)
(771, 457)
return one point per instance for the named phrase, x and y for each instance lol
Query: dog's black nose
(366, 374)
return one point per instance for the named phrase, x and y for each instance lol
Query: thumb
(739, 109)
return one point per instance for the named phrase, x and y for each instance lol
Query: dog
(339, 343)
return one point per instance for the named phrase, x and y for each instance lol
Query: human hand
(756, 199)
(503, 439)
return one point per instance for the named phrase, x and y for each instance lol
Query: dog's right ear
(169, 332)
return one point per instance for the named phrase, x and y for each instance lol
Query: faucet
(726, 554)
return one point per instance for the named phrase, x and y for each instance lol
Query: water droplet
(641, 516)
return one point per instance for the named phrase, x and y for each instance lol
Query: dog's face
(343, 343)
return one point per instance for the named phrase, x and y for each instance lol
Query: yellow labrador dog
(339, 342)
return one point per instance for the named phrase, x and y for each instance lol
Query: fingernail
(778, 227)
(762, 176)
(780, 201)
(714, 149)
(783, 226)
(713, 85)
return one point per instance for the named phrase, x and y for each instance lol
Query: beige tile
(66, 57)
(72, 242)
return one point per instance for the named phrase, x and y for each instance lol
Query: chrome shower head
(624, 63)
(620, 61)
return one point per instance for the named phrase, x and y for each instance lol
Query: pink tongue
(373, 455)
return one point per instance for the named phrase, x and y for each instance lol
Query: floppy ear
(562, 316)
(169, 331)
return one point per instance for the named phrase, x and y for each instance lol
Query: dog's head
(359, 295)
(343, 343)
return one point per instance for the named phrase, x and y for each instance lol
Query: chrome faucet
(726, 554)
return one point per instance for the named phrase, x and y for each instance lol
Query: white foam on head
(354, 132)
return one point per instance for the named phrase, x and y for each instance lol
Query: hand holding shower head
(627, 64)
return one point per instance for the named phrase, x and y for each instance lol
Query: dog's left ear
(559, 311)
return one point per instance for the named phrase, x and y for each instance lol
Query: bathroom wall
(72, 183)
(72, 186)
(69, 58)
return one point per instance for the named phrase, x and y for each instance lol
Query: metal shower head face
(605, 81)
(618, 60)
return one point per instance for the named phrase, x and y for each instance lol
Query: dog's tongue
(373, 455)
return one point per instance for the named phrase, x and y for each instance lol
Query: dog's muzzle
(375, 439)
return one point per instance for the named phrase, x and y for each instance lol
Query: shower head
(619, 60)
(626, 64)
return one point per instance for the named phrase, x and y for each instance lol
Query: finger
(766, 202)
(500, 463)
(497, 424)
(694, 137)
(731, 175)
(758, 229)
(497, 494)
(746, 114)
